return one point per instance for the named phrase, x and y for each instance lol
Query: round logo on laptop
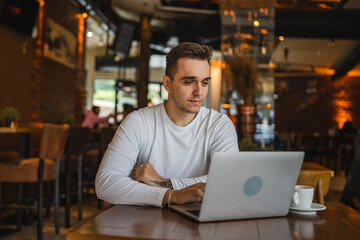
(253, 185)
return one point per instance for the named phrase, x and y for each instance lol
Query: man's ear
(167, 83)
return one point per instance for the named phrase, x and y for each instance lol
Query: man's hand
(147, 174)
(191, 194)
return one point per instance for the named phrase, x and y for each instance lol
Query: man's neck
(180, 118)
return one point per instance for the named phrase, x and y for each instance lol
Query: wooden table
(24, 139)
(317, 176)
(135, 222)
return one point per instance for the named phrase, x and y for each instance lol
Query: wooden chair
(75, 148)
(316, 176)
(36, 129)
(38, 170)
(105, 137)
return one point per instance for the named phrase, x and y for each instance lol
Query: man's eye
(205, 83)
(188, 82)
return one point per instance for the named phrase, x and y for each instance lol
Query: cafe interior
(286, 72)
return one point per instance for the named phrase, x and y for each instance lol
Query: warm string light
(226, 106)
(39, 40)
(81, 31)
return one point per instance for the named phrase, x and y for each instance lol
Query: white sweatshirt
(181, 154)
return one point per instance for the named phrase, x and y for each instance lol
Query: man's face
(189, 86)
(97, 111)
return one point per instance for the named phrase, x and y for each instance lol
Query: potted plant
(247, 145)
(245, 82)
(9, 115)
(69, 119)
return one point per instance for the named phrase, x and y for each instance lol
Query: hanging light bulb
(90, 34)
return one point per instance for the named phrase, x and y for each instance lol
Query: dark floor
(90, 210)
(29, 232)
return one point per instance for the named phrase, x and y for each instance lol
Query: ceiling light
(100, 43)
(90, 34)
(84, 15)
(256, 23)
(281, 38)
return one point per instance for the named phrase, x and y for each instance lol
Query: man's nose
(197, 89)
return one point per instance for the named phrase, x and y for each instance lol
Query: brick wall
(307, 104)
(42, 89)
(54, 85)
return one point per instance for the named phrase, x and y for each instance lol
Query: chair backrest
(36, 129)
(106, 135)
(77, 139)
(53, 140)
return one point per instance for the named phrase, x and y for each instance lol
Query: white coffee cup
(302, 197)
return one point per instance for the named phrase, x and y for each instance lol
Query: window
(104, 95)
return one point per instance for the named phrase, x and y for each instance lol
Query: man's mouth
(196, 101)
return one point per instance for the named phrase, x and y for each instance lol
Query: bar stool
(75, 148)
(95, 156)
(38, 170)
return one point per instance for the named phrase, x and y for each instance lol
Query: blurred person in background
(353, 178)
(92, 119)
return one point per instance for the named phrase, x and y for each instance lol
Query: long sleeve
(113, 183)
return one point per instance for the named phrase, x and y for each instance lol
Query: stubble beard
(183, 108)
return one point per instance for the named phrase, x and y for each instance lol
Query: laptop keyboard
(194, 212)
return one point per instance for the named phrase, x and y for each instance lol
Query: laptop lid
(249, 185)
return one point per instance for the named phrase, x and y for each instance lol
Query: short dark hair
(94, 108)
(186, 50)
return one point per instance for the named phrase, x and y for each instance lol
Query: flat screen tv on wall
(123, 38)
(19, 14)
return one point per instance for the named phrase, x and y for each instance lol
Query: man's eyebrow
(193, 77)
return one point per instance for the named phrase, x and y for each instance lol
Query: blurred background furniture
(93, 157)
(345, 153)
(35, 129)
(75, 148)
(38, 170)
(317, 176)
(21, 135)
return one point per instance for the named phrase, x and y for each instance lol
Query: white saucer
(308, 211)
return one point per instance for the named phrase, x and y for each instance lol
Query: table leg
(24, 145)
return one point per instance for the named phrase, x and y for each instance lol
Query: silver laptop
(244, 185)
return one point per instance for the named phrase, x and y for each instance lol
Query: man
(162, 154)
(92, 118)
